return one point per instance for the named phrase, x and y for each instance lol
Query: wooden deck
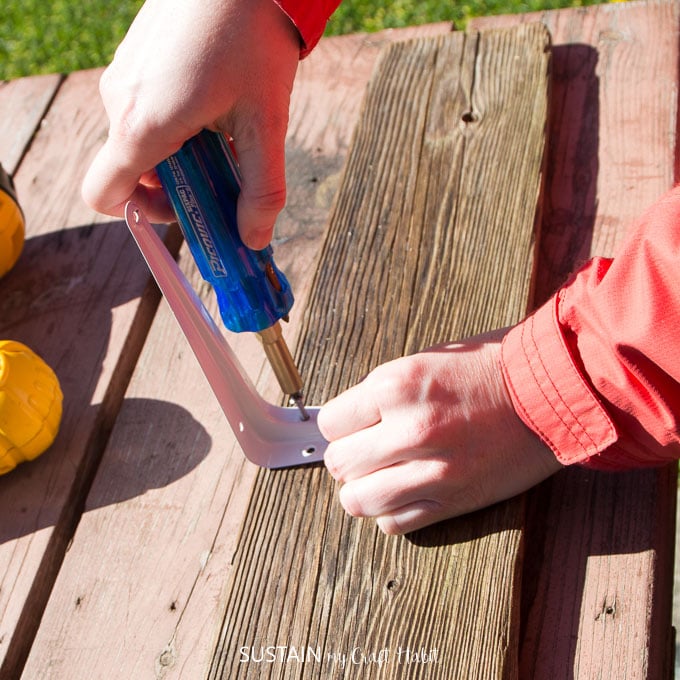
(143, 545)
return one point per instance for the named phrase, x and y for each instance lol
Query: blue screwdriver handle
(202, 182)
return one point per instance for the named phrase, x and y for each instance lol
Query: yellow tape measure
(11, 224)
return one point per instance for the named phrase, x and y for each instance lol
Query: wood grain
(23, 104)
(142, 590)
(154, 545)
(413, 214)
(598, 578)
(81, 300)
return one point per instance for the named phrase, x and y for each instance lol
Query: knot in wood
(393, 585)
(608, 610)
(470, 117)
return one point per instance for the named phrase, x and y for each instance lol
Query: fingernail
(258, 239)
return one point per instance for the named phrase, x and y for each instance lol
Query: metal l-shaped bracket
(270, 436)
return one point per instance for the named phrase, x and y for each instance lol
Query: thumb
(263, 189)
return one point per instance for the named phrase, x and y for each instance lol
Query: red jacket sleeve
(595, 372)
(310, 17)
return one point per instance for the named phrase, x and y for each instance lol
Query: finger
(386, 490)
(411, 518)
(362, 453)
(353, 410)
(110, 182)
(107, 185)
(263, 185)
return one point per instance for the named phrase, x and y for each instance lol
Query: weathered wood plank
(597, 602)
(612, 126)
(414, 213)
(79, 298)
(23, 104)
(149, 560)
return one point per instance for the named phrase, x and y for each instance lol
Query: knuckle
(400, 379)
(132, 123)
(106, 81)
(270, 198)
(388, 380)
(332, 463)
(422, 428)
(438, 472)
(415, 516)
(132, 127)
(350, 501)
(390, 526)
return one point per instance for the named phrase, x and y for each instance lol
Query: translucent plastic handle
(270, 436)
(202, 182)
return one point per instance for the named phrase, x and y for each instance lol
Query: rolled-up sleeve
(595, 372)
(310, 18)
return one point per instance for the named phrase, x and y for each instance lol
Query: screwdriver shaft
(282, 364)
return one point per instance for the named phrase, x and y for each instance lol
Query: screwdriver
(202, 182)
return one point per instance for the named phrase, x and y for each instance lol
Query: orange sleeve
(595, 372)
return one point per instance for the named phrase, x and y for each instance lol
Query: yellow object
(11, 224)
(30, 405)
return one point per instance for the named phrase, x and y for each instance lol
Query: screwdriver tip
(299, 401)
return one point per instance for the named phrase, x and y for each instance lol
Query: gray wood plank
(436, 204)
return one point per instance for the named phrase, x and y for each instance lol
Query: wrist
(525, 447)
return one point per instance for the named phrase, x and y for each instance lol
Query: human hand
(431, 436)
(186, 65)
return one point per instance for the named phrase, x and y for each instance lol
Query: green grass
(374, 15)
(48, 36)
